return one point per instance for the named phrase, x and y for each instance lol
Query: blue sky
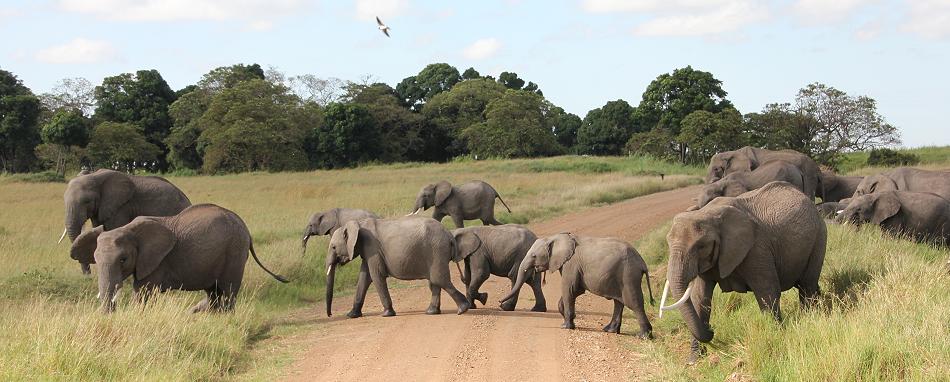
(582, 53)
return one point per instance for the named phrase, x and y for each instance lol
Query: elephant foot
(354, 314)
(508, 306)
(539, 308)
(560, 307)
(389, 312)
(433, 310)
(645, 335)
(568, 325)
(85, 269)
(463, 308)
(696, 352)
(202, 306)
(482, 298)
(612, 327)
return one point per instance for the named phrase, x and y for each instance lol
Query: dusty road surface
(487, 344)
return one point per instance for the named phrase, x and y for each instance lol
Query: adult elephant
(407, 248)
(606, 267)
(749, 158)
(765, 241)
(838, 187)
(324, 223)
(920, 215)
(203, 248)
(467, 201)
(740, 182)
(496, 250)
(907, 179)
(111, 199)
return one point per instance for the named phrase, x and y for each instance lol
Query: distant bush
(38, 177)
(891, 158)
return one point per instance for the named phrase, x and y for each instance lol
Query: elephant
(839, 187)
(111, 199)
(496, 250)
(739, 182)
(324, 223)
(920, 215)
(765, 241)
(202, 248)
(749, 158)
(467, 201)
(606, 267)
(907, 179)
(829, 210)
(407, 248)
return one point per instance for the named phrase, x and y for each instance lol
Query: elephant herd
(755, 228)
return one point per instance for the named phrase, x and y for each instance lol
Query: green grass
(884, 315)
(932, 157)
(53, 330)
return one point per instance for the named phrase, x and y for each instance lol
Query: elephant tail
(649, 287)
(497, 195)
(258, 261)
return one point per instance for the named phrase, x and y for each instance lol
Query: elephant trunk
(331, 274)
(110, 280)
(519, 282)
(679, 284)
(307, 232)
(74, 222)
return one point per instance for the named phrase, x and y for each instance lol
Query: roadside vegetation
(52, 326)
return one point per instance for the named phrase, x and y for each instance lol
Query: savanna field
(885, 313)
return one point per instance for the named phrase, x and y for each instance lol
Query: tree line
(243, 118)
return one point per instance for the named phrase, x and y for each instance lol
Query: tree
(405, 135)
(471, 74)
(565, 126)
(142, 99)
(120, 143)
(256, 125)
(71, 93)
(182, 142)
(605, 130)
(673, 96)
(348, 136)
(510, 80)
(514, 127)
(432, 80)
(323, 91)
(19, 112)
(459, 108)
(659, 143)
(704, 134)
(63, 137)
(226, 77)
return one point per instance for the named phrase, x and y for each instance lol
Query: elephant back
(781, 205)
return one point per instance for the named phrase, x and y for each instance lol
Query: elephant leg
(459, 222)
(633, 299)
(569, 298)
(808, 289)
(142, 294)
(438, 215)
(228, 298)
(85, 268)
(362, 286)
(701, 298)
(768, 300)
(382, 289)
(540, 305)
(435, 306)
(696, 351)
(479, 276)
(459, 298)
(205, 304)
(614, 325)
(490, 220)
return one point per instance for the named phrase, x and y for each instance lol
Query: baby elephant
(606, 267)
(920, 215)
(202, 248)
(467, 201)
(324, 223)
(496, 250)
(737, 183)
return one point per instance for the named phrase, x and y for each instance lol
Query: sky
(582, 53)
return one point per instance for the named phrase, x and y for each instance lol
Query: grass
(53, 330)
(884, 315)
(931, 157)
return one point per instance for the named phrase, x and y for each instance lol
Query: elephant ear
(467, 243)
(351, 233)
(115, 190)
(886, 206)
(737, 236)
(154, 240)
(562, 249)
(442, 191)
(84, 247)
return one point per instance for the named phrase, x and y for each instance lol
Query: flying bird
(382, 27)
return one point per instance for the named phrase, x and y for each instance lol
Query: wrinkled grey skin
(324, 223)
(920, 215)
(740, 182)
(203, 248)
(765, 241)
(838, 187)
(467, 201)
(829, 210)
(111, 199)
(606, 267)
(749, 158)
(407, 248)
(907, 179)
(496, 250)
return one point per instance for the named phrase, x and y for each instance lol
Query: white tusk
(678, 303)
(838, 212)
(328, 270)
(116, 295)
(62, 236)
(98, 295)
(666, 290)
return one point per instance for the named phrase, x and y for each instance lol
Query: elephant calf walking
(496, 250)
(606, 267)
(467, 201)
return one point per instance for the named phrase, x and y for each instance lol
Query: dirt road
(487, 344)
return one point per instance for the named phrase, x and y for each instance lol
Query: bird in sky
(382, 27)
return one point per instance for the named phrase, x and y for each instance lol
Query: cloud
(254, 12)
(482, 49)
(869, 30)
(78, 51)
(928, 18)
(369, 9)
(685, 17)
(815, 12)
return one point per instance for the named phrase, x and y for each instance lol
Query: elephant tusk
(678, 303)
(62, 236)
(838, 212)
(330, 268)
(116, 295)
(666, 290)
